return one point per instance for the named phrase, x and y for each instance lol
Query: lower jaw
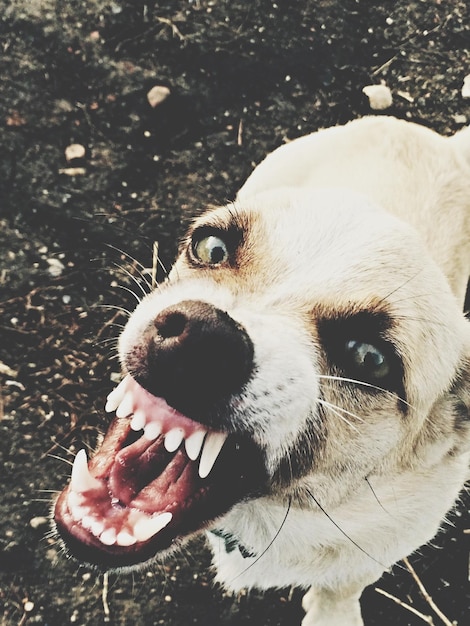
(231, 488)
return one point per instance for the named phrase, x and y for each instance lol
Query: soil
(77, 236)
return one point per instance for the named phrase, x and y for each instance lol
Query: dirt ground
(76, 233)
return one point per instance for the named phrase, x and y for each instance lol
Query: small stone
(28, 606)
(37, 522)
(157, 95)
(56, 267)
(74, 151)
(73, 171)
(466, 87)
(460, 118)
(380, 97)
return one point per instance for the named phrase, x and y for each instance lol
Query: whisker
(424, 320)
(344, 533)
(260, 556)
(337, 411)
(143, 271)
(375, 495)
(387, 297)
(364, 384)
(338, 408)
(59, 458)
(114, 307)
(139, 300)
(133, 278)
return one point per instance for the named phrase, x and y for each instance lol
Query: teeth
(126, 405)
(193, 444)
(97, 528)
(212, 447)
(115, 397)
(173, 439)
(81, 479)
(138, 421)
(148, 527)
(125, 539)
(108, 537)
(152, 431)
(87, 521)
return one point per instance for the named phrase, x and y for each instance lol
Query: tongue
(147, 477)
(138, 465)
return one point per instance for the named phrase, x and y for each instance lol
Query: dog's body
(335, 284)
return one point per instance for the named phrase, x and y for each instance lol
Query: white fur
(376, 211)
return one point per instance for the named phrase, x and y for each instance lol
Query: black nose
(195, 356)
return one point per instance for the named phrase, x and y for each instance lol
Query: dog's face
(302, 342)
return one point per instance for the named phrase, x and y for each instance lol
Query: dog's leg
(325, 607)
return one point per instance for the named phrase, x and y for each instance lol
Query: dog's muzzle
(171, 461)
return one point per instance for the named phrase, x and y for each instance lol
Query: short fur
(369, 219)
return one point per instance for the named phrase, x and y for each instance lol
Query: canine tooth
(81, 480)
(173, 439)
(211, 450)
(193, 444)
(147, 527)
(115, 397)
(152, 430)
(126, 405)
(138, 421)
(125, 539)
(108, 537)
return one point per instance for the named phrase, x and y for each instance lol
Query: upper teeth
(129, 399)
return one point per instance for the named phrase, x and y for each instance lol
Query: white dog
(299, 386)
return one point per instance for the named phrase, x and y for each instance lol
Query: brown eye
(211, 250)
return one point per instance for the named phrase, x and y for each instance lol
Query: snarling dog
(299, 387)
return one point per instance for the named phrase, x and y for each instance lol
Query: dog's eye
(366, 360)
(211, 250)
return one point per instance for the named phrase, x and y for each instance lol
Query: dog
(299, 387)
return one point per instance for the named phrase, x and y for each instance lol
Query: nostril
(170, 324)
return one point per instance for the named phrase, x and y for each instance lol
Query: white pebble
(56, 267)
(380, 97)
(74, 151)
(466, 87)
(157, 95)
(37, 522)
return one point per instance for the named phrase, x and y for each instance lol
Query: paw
(325, 608)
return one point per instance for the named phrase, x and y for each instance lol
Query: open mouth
(158, 476)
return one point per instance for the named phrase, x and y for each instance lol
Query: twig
(426, 618)
(104, 598)
(154, 264)
(240, 133)
(426, 595)
(176, 31)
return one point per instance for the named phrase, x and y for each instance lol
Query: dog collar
(231, 543)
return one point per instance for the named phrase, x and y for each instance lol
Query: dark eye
(366, 360)
(211, 250)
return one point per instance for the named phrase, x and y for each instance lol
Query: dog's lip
(143, 490)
